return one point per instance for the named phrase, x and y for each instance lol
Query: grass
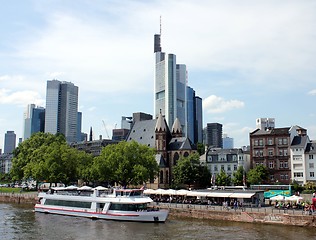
(10, 190)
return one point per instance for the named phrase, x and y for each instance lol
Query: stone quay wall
(28, 198)
(266, 215)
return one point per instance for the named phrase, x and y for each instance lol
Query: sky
(246, 59)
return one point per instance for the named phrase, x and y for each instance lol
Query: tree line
(46, 157)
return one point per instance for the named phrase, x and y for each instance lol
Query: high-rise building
(194, 111)
(170, 87)
(228, 143)
(265, 123)
(213, 135)
(62, 109)
(9, 142)
(34, 120)
(80, 136)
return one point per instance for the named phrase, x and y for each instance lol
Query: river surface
(18, 221)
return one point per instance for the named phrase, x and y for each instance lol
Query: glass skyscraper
(34, 120)
(170, 87)
(62, 109)
(9, 142)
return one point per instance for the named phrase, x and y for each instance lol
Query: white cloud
(215, 104)
(21, 98)
(312, 92)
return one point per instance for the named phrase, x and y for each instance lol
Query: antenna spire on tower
(160, 25)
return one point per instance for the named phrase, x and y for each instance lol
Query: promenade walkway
(265, 209)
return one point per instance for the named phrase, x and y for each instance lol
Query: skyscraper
(34, 120)
(213, 134)
(62, 109)
(194, 111)
(170, 86)
(9, 142)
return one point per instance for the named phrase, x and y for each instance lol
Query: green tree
(238, 176)
(200, 148)
(222, 179)
(189, 171)
(257, 175)
(29, 156)
(47, 157)
(186, 170)
(126, 163)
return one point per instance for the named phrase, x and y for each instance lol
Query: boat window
(128, 207)
(65, 203)
(136, 193)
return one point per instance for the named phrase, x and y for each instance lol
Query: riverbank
(265, 215)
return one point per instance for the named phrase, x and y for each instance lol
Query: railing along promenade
(248, 208)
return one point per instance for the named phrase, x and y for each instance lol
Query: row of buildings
(174, 130)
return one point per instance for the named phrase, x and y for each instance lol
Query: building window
(235, 167)
(272, 177)
(286, 165)
(270, 152)
(281, 165)
(260, 142)
(311, 156)
(222, 167)
(271, 164)
(284, 141)
(280, 152)
(285, 152)
(257, 153)
(256, 142)
(270, 142)
(311, 165)
(311, 174)
(298, 174)
(215, 168)
(280, 141)
(228, 168)
(286, 176)
(261, 153)
(281, 176)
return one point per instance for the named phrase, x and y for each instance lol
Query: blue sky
(246, 59)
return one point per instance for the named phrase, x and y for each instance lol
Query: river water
(18, 221)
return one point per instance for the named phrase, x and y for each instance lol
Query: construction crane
(105, 129)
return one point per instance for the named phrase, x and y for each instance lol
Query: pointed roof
(176, 127)
(160, 124)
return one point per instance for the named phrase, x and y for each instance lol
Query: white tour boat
(100, 203)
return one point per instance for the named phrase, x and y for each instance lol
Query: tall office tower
(34, 120)
(265, 123)
(62, 109)
(79, 126)
(170, 87)
(213, 134)
(194, 111)
(228, 143)
(9, 142)
(199, 120)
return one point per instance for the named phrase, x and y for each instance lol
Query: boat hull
(141, 216)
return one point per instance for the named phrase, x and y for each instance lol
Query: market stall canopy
(241, 195)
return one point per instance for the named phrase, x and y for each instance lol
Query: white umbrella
(277, 198)
(85, 188)
(170, 192)
(149, 191)
(100, 188)
(182, 192)
(294, 198)
(71, 187)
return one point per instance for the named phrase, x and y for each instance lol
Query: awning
(241, 195)
(219, 194)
